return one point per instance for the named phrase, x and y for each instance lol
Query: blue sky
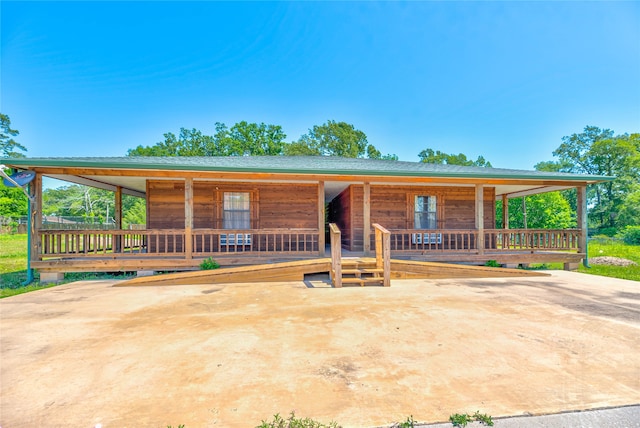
(504, 80)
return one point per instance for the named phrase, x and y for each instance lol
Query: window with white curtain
(425, 212)
(236, 210)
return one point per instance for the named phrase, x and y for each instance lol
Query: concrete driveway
(88, 353)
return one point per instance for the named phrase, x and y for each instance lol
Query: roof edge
(113, 163)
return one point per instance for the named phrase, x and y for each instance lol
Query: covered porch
(283, 215)
(150, 249)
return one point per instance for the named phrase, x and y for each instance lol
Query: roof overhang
(131, 174)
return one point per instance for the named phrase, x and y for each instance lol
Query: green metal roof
(298, 165)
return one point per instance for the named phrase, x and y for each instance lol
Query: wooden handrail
(466, 240)
(383, 252)
(535, 239)
(158, 242)
(336, 255)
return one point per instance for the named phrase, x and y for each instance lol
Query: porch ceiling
(136, 185)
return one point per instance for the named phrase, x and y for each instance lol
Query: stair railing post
(378, 248)
(386, 245)
(336, 255)
(383, 253)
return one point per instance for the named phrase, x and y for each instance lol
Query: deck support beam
(321, 217)
(366, 220)
(480, 217)
(188, 218)
(581, 211)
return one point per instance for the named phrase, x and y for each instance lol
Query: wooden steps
(361, 271)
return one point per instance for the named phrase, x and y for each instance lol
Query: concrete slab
(618, 417)
(232, 355)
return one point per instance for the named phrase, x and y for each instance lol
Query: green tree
(242, 139)
(373, 153)
(629, 211)
(134, 211)
(78, 201)
(302, 147)
(597, 151)
(13, 202)
(92, 204)
(543, 211)
(438, 157)
(190, 142)
(251, 139)
(335, 139)
(8, 145)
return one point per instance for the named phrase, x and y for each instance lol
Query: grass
(13, 268)
(605, 247)
(614, 248)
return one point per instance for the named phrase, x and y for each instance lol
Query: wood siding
(392, 207)
(294, 205)
(272, 205)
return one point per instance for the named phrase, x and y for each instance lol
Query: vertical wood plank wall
(295, 205)
(292, 205)
(392, 207)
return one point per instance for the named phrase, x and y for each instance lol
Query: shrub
(460, 419)
(293, 422)
(608, 231)
(631, 235)
(409, 423)
(492, 263)
(602, 239)
(208, 264)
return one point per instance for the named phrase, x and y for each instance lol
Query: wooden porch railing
(418, 240)
(211, 242)
(170, 242)
(534, 239)
(263, 241)
(461, 241)
(102, 242)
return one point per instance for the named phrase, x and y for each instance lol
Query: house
(247, 210)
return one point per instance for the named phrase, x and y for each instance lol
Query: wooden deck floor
(295, 271)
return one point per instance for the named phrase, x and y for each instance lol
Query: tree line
(613, 205)
(252, 139)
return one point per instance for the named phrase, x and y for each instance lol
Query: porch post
(118, 208)
(188, 218)
(480, 217)
(505, 212)
(118, 217)
(321, 216)
(36, 218)
(366, 232)
(581, 212)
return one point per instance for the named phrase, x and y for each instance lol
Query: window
(425, 212)
(236, 210)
